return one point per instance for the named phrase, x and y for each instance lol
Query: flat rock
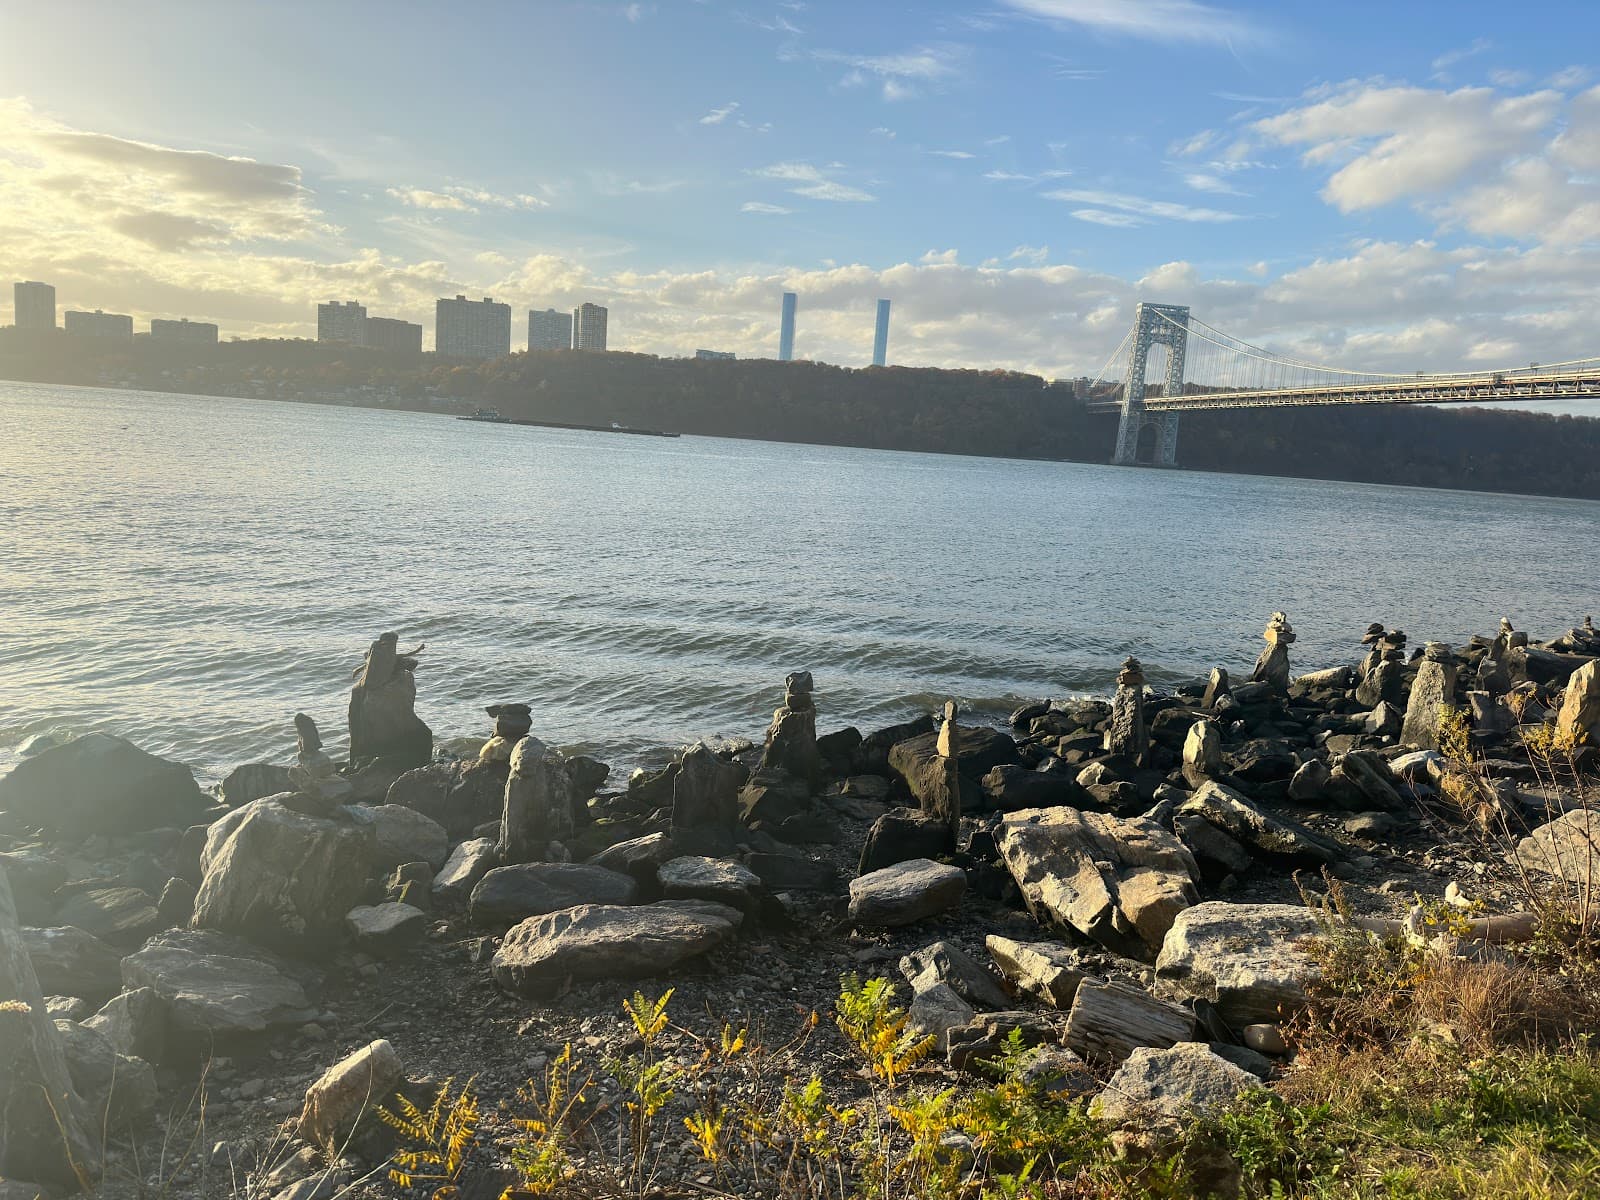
(117, 1088)
(71, 962)
(386, 928)
(1568, 847)
(900, 835)
(1110, 1020)
(905, 893)
(1047, 971)
(1248, 960)
(1179, 1082)
(638, 857)
(542, 955)
(1272, 837)
(101, 784)
(120, 915)
(468, 863)
(947, 963)
(214, 985)
(507, 895)
(695, 877)
(403, 835)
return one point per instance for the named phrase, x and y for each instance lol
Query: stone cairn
(947, 795)
(1128, 735)
(1432, 691)
(536, 822)
(1383, 674)
(383, 719)
(792, 737)
(512, 723)
(318, 786)
(1272, 668)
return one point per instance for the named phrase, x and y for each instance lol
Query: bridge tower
(1153, 324)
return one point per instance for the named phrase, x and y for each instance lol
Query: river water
(188, 572)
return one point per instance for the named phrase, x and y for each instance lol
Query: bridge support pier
(1153, 324)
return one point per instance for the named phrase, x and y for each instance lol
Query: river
(188, 572)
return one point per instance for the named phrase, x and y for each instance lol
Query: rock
(542, 955)
(1046, 970)
(903, 834)
(135, 1023)
(176, 905)
(1384, 721)
(66, 1008)
(214, 986)
(984, 1038)
(100, 784)
(468, 863)
(694, 877)
(791, 873)
(46, 1133)
(538, 804)
(121, 915)
(792, 738)
(1309, 781)
(70, 962)
(1010, 786)
(1272, 668)
(838, 750)
(1202, 753)
(1248, 960)
(1262, 760)
(705, 802)
(1367, 773)
(772, 797)
(116, 1088)
(383, 719)
(946, 963)
(1181, 1082)
(1374, 826)
(507, 895)
(252, 781)
(1432, 691)
(1567, 848)
(1109, 1021)
(978, 751)
(1118, 882)
(905, 893)
(460, 796)
(404, 835)
(936, 1009)
(1274, 838)
(410, 883)
(1216, 688)
(387, 928)
(1217, 854)
(283, 878)
(1578, 718)
(1265, 1038)
(638, 857)
(1127, 735)
(34, 879)
(348, 1093)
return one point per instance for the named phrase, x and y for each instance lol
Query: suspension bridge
(1199, 367)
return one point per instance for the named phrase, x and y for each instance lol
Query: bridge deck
(1461, 389)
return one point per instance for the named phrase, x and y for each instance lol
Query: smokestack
(880, 337)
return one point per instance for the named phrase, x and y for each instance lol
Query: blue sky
(1393, 186)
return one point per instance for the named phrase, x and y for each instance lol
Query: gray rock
(507, 895)
(1432, 691)
(792, 738)
(1274, 838)
(1578, 718)
(936, 1009)
(1010, 787)
(1046, 970)
(792, 873)
(946, 963)
(283, 878)
(386, 928)
(66, 1008)
(468, 863)
(135, 1023)
(905, 893)
(348, 1094)
(70, 962)
(1109, 1021)
(538, 804)
(978, 751)
(1181, 1082)
(638, 857)
(694, 877)
(410, 883)
(900, 835)
(1202, 753)
(383, 719)
(120, 915)
(252, 781)
(403, 835)
(543, 955)
(216, 986)
(705, 801)
(1567, 848)
(1306, 786)
(1217, 853)
(117, 1088)
(176, 905)
(1249, 960)
(101, 784)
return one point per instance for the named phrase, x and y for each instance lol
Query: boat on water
(492, 416)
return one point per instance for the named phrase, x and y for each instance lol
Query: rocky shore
(211, 994)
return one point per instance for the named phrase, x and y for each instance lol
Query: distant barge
(492, 417)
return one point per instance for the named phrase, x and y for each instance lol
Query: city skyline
(1421, 201)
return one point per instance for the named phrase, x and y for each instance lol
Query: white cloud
(939, 258)
(1198, 144)
(952, 153)
(812, 183)
(899, 74)
(1202, 182)
(759, 206)
(463, 199)
(882, 131)
(1504, 77)
(423, 198)
(1098, 216)
(718, 115)
(1000, 175)
(1141, 207)
(1569, 77)
(1153, 20)
(1037, 255)
(1451, 57)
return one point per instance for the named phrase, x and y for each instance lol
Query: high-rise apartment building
(393, 335)
(589, 327)
(786, 329)
(880, 336)
(200, 333)
(465, 328)
(342, 322)
(35, 305)
(99, 324)
(549, 330)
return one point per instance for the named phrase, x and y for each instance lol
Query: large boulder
(121, 915)
(537, 815)
(348, 1093)
(507, 895)
(1120, 882)
(1045, 970)
(695, 877)
(1578, 719)
(542, 955)
(117, 1088)
(1180, 1082)
(46, 1132)
(1274, 838)
(214, 986)
(1249, 960)
(252, 781)
(1432, 692)
(705, 801)
(460, 796)
(902, 834)
(948, 964)
(284, 878)
(100, 784)
(403, 835)
(905, 893)
(70, 962)
(978, 751)
(383, 719)
(1010, 787)
(1567, 848)
(1110, 1020)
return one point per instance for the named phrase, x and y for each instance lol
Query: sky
(1384, 186)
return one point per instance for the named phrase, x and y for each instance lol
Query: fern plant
(867, 1014)
(441, 1139)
